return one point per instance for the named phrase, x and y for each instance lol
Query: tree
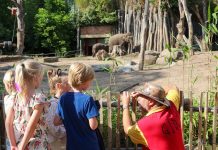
(54, 27)
(20, 26)
(6, 21)
(32, 44)
(96, 12)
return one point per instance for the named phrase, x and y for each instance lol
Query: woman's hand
(125, 98)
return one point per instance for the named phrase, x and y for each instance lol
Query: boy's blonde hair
(26, 74)
(80, 73)
(9, 81)
(55, 77)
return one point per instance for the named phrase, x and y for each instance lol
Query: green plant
(195, 118)
(54, 27)
(112, 69)
(211, 28)
(2, 88)
(97, 12)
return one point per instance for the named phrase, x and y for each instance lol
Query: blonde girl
(25, 124)
(58, 84)
(9, 83)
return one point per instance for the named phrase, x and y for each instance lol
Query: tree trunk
(180, 25)
(143, 35)
(190, 26)
(205, 5)
(20, 26)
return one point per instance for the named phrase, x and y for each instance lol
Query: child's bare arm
(93, 123)
(57, 120)
(9, 128)
(31, 126)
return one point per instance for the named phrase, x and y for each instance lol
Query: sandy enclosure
(196, 73)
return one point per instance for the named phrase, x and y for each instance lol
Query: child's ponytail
(20, 77)
(54, 77)
(26, 74)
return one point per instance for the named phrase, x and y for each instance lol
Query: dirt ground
(197, 68)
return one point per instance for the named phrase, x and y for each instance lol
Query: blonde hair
(55, 77)
(26, 74)
(80, 73)
(9, 81)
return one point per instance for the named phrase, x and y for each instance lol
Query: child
(9, 83)
(78, 111)
(58, 85)
(24, 123)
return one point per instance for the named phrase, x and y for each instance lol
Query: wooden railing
(2, 125)
(110, 120)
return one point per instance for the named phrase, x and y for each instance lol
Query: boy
(78, 111)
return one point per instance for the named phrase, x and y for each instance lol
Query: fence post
(205, 121)
(182, 113)
(2, 127)
(200, 122)
(191, 121)
(134, 104)
(118, 123)
(215, 121)
(109, 121)
(101, 113)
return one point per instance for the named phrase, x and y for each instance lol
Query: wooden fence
(2, 124)
(111, 121)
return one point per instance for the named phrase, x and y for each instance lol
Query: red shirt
(162, 130)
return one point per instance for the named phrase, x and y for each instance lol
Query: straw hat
(156, 93)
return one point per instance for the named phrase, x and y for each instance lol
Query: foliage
(211, 27)
(195, 118)
(54, 27)
(98, 91)
(2, 88)
(6, 21)
(114, 123)
(97, 12)
(31, 8)
(112, 69)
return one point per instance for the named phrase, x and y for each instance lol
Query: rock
(125, 69)
(100, 68)
(150, 59)
(165, 54)
(153, 53)
(176, 54)
(8, 58)
(161, 61)
(130, 63)
(50, 59)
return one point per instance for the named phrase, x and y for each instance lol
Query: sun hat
(154, 92)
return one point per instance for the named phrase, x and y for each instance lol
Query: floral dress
(8, 102)
(22, 114)
(56, 134)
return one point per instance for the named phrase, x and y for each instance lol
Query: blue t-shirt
(75, 109)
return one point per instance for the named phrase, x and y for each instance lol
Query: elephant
(98, 46)
(122, 39)
(102, 54)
